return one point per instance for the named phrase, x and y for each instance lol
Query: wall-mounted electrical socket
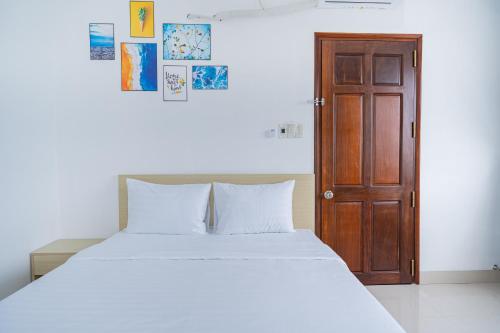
(290, 131)
(270, 133)
(282, 131)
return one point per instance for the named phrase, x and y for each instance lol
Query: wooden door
(368, 156)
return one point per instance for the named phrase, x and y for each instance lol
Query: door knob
(328, 195)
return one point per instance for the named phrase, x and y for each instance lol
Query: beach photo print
(139, 71)
(102, 41)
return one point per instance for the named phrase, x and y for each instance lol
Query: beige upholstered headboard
(303, 195)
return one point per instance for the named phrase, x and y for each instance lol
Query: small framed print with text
(174, 83)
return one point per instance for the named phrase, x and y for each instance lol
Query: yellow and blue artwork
(139, 67)
(142, 19)
(102, 41)
(210, 77)
(187, 41)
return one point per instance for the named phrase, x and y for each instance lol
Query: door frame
(318, 38)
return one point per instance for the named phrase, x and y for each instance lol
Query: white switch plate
(271, 133)
(299, 134)
(290, 131)
(282, 131)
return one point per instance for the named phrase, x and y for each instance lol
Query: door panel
(368, 156)
(348, 69)
(387, 139)
(387, 70)
(348, 139)
(348, 234)
(385, 242)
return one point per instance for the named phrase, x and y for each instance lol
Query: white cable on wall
(264, 10)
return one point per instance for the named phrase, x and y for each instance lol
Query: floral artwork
(186, 41)
(142, 21)
(210, 77)
(174, 83)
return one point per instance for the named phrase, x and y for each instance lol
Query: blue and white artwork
(102, 41)
(210, 77)
(186, 41)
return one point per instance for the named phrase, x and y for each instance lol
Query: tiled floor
(443, 308)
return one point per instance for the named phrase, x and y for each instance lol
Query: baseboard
(437, 277)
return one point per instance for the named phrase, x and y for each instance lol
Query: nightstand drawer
(42, 264)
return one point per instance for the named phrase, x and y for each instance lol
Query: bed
(288, 282)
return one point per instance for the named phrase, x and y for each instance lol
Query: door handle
(328, 195)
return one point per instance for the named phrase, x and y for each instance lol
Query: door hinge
(415, 58)
(413, 199)
(413, 129)
(319, 101)
(412, 267)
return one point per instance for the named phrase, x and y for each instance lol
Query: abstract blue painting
(102, 41)
(186, 41)
(210, 77)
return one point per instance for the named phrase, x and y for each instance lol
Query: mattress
(199, 283)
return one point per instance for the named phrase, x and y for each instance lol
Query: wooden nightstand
(55, 254)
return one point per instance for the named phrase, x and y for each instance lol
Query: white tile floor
(443, 308)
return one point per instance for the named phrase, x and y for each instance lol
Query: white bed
(199, 283)
(271, 282)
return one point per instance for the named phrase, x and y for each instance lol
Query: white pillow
(251, 209)
(167, 209)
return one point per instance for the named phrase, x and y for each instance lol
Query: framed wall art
(102, 41)
(139, 67)
(187, 41)
(142, 19)
(210, 77)
(174, 83)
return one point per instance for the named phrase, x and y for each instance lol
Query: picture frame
(142, 19)
(102, 41)
(139, 70)
(175, 85)
(210, 77)
(189, 41)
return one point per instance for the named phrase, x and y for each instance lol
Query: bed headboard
(303, 195)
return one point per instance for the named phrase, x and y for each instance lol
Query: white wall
(102, 132)
(28, 178)
(496, 83)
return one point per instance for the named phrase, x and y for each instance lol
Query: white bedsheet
(295, 245)
(199, 283)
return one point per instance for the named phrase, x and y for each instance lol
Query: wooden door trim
(318, 38)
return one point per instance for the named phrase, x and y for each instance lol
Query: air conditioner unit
(359, 4)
